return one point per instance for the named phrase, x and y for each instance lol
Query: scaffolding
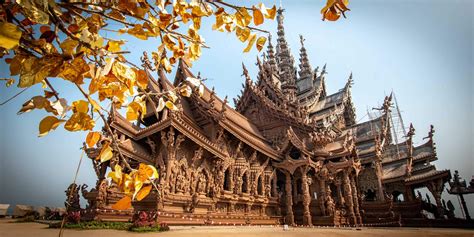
(398, 129)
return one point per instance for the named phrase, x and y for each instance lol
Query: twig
(13, 97)
(114, 140)
(52, 88)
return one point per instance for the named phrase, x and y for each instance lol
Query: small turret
(305, 67)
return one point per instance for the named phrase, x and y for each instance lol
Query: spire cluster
(285, 61)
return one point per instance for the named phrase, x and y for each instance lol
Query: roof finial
(324, 70)
(248, 81)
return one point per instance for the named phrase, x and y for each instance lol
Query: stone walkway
(8, 229)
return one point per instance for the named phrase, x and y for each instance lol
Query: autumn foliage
(44, 41)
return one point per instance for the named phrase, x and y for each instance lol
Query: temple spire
(286, 61)
(305, 67)
(271, 55)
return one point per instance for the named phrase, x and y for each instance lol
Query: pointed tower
(305, 81)
(305, 67)
(285, 61)
(271, 56)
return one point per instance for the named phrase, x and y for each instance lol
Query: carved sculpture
(72, 198)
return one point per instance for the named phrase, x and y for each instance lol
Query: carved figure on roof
(387, 103)
(430, 133)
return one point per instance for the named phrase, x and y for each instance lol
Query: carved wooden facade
(287, 153)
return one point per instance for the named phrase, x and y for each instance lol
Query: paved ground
(39, 230)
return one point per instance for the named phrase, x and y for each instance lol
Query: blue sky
(421, 49)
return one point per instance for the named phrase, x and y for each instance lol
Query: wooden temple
(287, 152)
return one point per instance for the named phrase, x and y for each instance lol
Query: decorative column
(436, 188)
(355, 196)
(306, 198)
(231, 179)
(348, 193)
(322, 196)
(290, 220)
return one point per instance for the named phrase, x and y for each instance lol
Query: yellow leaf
(80, 106)
(193, 81)
(47, 124)
(143, 192)
(33, 11)
(146, 173)
(79, 121)
(116, 175)
(261, 42)
(142, 78)
(114, 46)
(59, 107)
(135, 109)
(242, 33)
(92, 138)
(271, 12)
(137, 185)
(194, 51)
(123, 204)
(166, 64)
(106, 153)
(116, 15)
(37, 102)
(257, 16)
(186, 91)
(16, 64)
(74, 71)
(172, 96)
(252, 39)
(121, 70)
(138, 32)
(68, 46)
(161, 104)
(35, 70)
(127, 183)
(170, 105)
(10, 35)
(201, 90)
(243, 17)
(168, 41)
